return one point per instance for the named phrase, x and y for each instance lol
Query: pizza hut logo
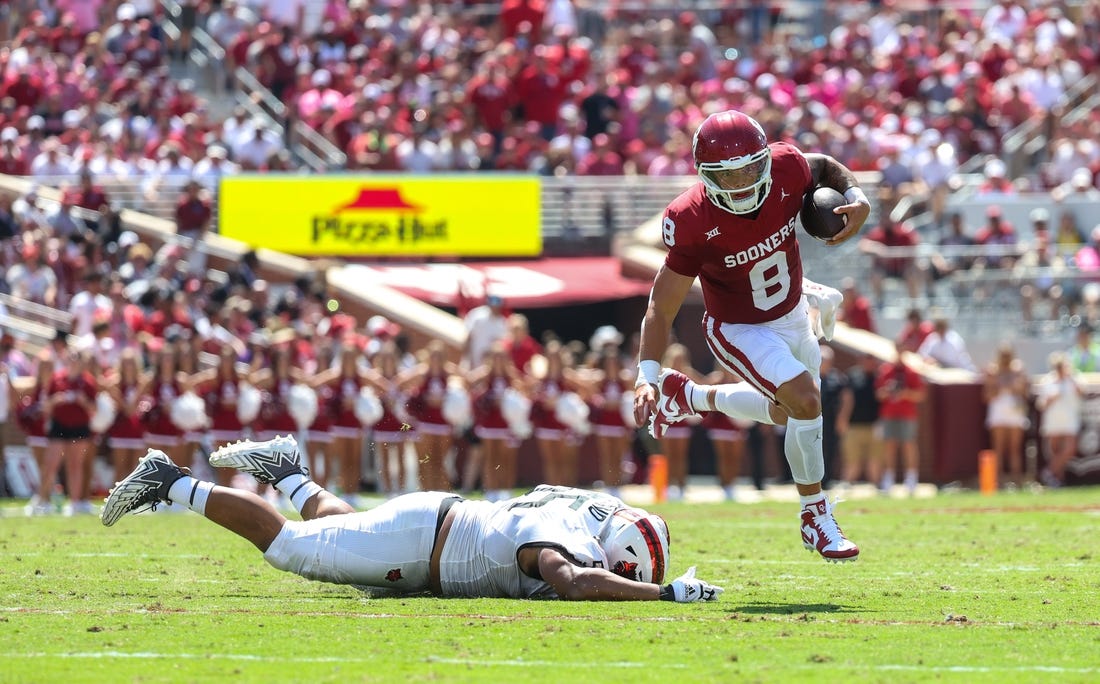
(394, 575)
(379, 198)
(378, 216)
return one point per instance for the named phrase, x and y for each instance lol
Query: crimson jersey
(547, 393)
(68, 412)
(275, 413)
(428, 397)
(127, 426)
(748, 265)
(221, 404)
(342, 404)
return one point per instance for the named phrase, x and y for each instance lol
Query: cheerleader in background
(488, 383)
(189, 368)
(677, 437)
(346, 381)
(559, 460)
(219, 388)
(727, 436)
(68, 409)
(609, 382)
(124, 438)
(319, 435)
(100, 366)
(32, 420)
(163, 386)
(426, 384)
(275, 381)
(392, 431)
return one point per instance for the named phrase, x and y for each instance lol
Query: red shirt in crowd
(892, 378)
(491, 98)
(90, 197)
(515, 12)
(26, 90)
(541, 94)
(13, 165)
(913, 334)
(635, 57)
(893, 235)
(68, 40)
(192, 214)
(65, 389)
(856, 312)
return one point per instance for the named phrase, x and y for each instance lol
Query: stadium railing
(1024, 144)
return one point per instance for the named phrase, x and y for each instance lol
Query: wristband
(667, 593)
(648, 373)
(855, 194)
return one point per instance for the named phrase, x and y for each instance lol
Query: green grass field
(959, 588)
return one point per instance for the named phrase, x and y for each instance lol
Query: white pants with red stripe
(768, 354)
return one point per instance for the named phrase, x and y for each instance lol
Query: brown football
(817, 214)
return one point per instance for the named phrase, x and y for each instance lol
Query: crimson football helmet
(636, 544)
(727, 143)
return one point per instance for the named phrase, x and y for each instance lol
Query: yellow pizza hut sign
(383, 215)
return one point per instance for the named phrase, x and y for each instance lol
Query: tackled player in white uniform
(553, 542)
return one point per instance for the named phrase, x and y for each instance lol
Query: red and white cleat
(821, 533)
(674, 404)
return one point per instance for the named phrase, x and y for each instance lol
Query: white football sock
(802, 446)
(738, 400)
(299, 488)
(811, 499)
(190, 492)
(698, 397)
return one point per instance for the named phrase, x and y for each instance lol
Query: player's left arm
(828, 172)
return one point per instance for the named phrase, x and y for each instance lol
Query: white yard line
(520, 662)
(110, 655)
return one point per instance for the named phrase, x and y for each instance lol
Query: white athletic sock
(802, 446)
(811, 500)
(742, 400)
(698, 398)
(299, 488)
(190, 492)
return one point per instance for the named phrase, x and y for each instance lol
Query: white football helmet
(732, 141)
(636, 544)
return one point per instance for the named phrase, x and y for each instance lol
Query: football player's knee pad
(802, 445)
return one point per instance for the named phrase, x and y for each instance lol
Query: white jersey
(480, 557)
(390, 546)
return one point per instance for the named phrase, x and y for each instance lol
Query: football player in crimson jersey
(553, 542)
(735, 232)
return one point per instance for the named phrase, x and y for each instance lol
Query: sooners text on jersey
(748, 266)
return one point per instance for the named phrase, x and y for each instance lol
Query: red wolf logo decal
(626, 569)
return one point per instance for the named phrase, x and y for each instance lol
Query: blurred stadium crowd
(92, 100)
(551, 86)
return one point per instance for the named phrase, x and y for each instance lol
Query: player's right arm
(572, 582)
(669, 291)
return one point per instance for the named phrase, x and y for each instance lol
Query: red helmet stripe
(656, 551)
